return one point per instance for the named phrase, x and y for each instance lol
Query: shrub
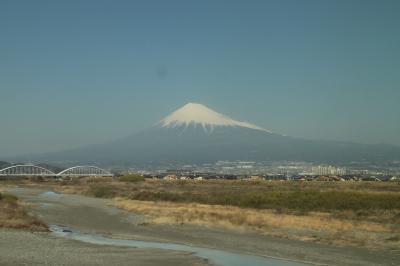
(132, 178)
(7, 198)
(102, 191)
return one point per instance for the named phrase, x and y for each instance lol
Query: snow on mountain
(197, 114)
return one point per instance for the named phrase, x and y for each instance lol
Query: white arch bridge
(33, 170)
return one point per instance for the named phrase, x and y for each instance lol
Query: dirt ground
(26, 248)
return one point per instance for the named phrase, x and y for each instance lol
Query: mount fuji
(195, 134)
(198, 115)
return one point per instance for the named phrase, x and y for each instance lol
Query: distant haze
(79, 72)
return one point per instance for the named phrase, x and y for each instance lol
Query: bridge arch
(26, 170)
(84, 170)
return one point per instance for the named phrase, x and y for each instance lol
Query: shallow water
(217, 257)
(51, 194)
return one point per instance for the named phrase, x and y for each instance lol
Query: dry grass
(14, 215)
(213, 214)
(348, 213)
(321, 227)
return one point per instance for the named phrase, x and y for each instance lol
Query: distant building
(170, 177)
(328, 170)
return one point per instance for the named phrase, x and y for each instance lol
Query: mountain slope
(195, 133)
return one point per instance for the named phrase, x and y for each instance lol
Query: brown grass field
(342, 213)
(317, 227)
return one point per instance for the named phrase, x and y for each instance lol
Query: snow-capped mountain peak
(198, 114)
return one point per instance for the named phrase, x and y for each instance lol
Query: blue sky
(80, 72)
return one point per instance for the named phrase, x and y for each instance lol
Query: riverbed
(90, 222)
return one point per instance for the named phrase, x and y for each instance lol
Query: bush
(102, 191)
(7, 198)
(131, 178)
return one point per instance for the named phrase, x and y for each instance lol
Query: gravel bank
(25, 248)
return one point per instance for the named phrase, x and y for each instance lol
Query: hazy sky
(80, 72)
